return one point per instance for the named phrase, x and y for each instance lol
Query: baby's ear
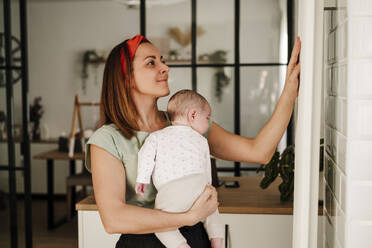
(191, 114)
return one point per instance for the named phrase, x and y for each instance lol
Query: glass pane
(263, 31)
(16, 74)
(68, 30)
(215, 39)
(178, 79)
(168, 26)
(2, 72)
(217, 86)
(3, 145)
(260, 89)
(17, 117)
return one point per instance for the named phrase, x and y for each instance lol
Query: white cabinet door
(91, 231)
(245, 231)
(263, 231)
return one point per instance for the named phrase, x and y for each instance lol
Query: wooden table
(50, 156)
(41, 141)
(249, 198)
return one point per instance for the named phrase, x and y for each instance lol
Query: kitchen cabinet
(254, 218)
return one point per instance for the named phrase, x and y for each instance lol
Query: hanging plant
(90, 57)
(221, 79)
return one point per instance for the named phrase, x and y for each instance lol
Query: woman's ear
(191, 115)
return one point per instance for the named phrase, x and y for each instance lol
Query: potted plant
(283, 165)
(90, 57)
(173, 54)
(36, 112)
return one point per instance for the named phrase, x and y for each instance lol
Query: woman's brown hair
(117, 105)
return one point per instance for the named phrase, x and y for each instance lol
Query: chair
(81, 179)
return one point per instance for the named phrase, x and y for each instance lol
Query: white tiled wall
(348, 124)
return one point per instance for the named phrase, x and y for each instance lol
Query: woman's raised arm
(260, 149)
(109, 182)
(232, 147)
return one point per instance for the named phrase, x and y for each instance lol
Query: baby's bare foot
(216, 242)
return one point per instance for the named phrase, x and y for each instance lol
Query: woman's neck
(150, 118)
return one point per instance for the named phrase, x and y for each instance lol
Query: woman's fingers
(206, 204)
(212, 200)
(213, 194)
(295, 53)
(296, 71)
(206, 193)
(293, 71)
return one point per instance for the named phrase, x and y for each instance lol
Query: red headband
(132, 44)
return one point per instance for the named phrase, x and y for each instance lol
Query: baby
(177, 157)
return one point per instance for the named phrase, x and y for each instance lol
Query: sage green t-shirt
(110, 138)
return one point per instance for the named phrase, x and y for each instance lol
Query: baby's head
(186, 107)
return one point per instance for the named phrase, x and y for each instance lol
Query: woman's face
(150, 72)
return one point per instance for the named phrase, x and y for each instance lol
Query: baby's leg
(169, 199)
(171, 239)
(213, 226)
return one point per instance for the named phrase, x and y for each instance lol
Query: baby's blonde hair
(184, 100)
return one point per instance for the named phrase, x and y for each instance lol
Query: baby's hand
(183, 245)
(216, 242)
(140, 189)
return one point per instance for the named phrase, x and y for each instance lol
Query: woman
(135, 77)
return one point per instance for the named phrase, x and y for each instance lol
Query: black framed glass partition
(15, 165)
(235, 54)
(232, 52)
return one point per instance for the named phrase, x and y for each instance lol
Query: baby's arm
(146, 163)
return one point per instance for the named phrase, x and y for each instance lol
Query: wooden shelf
(188, 61)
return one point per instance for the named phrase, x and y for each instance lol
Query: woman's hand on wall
(204, 206)
(293, 71)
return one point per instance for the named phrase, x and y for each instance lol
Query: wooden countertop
(249, 198)
(57, 155)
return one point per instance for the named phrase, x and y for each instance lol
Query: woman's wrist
(289, 96)
(190, 218)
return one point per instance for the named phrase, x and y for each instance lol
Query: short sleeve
(169, 123)
(208, 163)
(209, 128)
(104, 139)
